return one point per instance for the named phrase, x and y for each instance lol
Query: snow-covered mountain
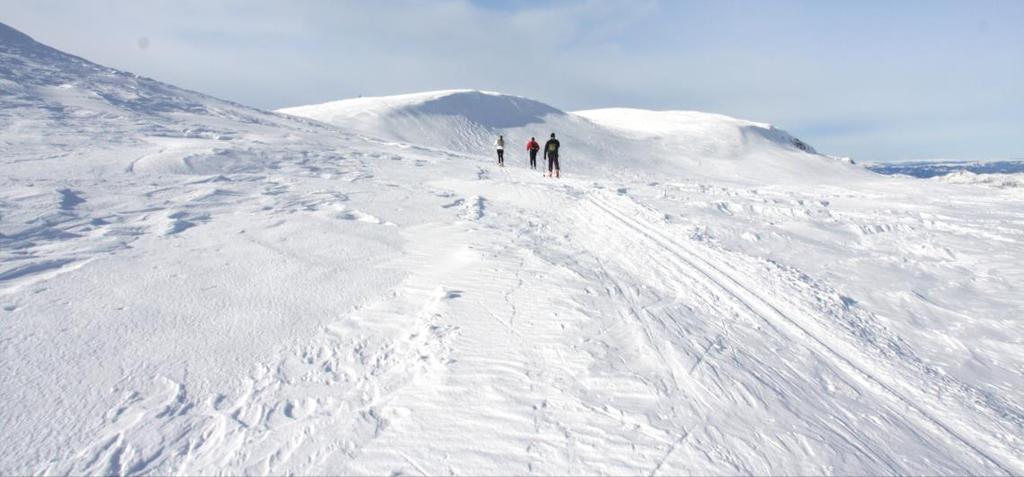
(81, 104)
(191, 286)
(457, 120)
(698, 133)
(609, 141)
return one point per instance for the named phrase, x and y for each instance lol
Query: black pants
(533, 159)
(501, 157)
(552, 162)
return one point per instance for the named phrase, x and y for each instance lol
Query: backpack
(552, 147)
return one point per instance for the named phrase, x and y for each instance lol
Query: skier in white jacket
(500, 144)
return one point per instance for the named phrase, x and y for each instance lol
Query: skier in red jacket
(533, 147)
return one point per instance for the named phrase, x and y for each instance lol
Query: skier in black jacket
(551, 154)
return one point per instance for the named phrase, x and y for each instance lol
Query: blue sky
(872, 80)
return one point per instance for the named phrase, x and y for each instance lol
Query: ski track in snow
(726, 284)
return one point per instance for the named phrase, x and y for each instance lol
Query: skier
(500, 144)
(551, 154)
(533, 147)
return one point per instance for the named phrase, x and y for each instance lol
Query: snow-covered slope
(611, 141)
(458, 120)
(190, 286)
(484, 108)
(79, 103)
(695, 132)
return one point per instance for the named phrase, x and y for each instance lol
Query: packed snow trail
(759, 301)
(902, 434)
(666, 384)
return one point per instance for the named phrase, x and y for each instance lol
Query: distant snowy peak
(485, 108)
(689, 125)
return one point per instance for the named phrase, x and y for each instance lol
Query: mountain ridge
(606, 141)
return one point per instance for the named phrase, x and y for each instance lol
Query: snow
(482, 107)
(992, 180)
(683, 125)
(191, 286)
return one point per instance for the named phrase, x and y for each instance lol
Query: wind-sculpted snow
(213, 289)
(490, 109)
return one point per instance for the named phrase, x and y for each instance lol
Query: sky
(873, 80)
